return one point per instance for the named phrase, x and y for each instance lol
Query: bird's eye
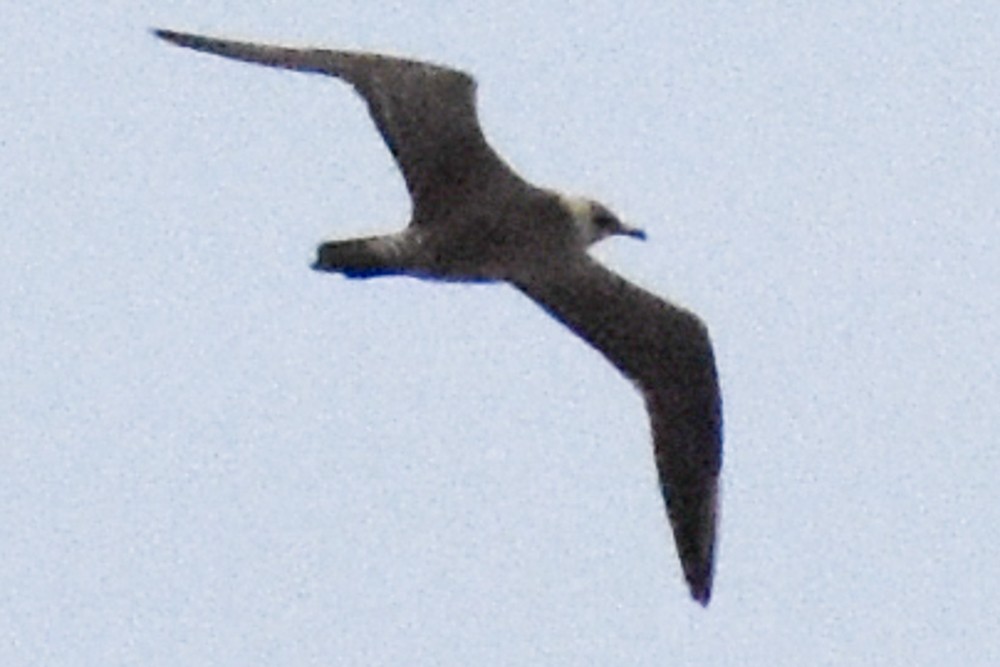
(605, 220)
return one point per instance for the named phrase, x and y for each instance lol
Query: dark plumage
(474, 219)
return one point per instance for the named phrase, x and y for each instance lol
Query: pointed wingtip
(698, 573)
(699, 581)
(171, 36)
(178, 38)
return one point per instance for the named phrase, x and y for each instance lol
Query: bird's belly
(469, 252)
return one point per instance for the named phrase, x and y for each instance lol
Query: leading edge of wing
(303, 59)
(426, 113)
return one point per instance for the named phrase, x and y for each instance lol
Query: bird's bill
(634, 232)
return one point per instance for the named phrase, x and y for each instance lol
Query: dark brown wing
(426, 113)
(667, 353)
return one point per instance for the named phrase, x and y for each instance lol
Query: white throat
(579, 207)
(581, 210)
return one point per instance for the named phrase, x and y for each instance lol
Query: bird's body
(475, 219)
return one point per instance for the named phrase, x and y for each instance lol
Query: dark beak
(634, 232)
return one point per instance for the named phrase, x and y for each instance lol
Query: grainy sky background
(214, 456)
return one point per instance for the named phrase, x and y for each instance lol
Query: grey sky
(212, 455)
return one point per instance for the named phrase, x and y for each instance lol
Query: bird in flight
(474, 219)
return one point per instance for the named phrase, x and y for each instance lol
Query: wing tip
(193, 41)
(699, 580)
(169, 35)
(696, 548)
(186, 39)
(701, 593)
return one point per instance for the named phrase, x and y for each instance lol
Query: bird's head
(595, 222)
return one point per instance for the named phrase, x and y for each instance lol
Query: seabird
(474, 219)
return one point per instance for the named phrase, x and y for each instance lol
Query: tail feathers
(360, 258)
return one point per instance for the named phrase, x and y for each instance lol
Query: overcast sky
(211, 455)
